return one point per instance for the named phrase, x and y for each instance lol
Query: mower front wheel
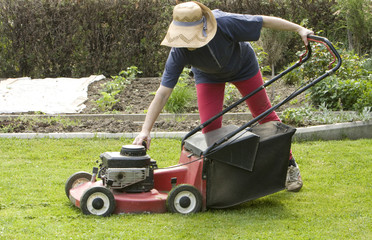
(184, 199)
(98, 201)
(75, 180)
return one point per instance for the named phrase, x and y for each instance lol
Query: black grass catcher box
(250, 165)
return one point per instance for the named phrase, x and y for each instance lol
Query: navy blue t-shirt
(227, 57)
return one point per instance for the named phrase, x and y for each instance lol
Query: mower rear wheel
(184, 199)
(75, 180)
(97, 201)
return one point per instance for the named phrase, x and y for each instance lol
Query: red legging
(211, 96)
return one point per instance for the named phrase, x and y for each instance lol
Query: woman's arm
(157, 104)
(281, 24)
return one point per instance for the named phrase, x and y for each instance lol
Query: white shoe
(294, 180)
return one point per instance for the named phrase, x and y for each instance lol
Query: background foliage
(43, 38)
(349, 89)
(182, 94)
(50, 38)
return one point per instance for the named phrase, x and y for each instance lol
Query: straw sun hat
(193, 26)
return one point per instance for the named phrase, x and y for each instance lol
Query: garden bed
(128, 114)
(135, 99)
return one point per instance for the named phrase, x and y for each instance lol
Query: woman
(215, 44)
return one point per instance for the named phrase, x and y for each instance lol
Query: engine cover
(116, 160)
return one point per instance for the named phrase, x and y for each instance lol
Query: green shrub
(349, 89)
(182, 94)
(343, 94)
(365, 100)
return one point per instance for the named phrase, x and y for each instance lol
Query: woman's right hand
(143, 137)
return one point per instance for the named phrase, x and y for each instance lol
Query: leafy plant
(112, 88)
(296, 116)
(350, 88)
(343, 94)
(107, 101)
(119, 81)
(230, 93)
(261, 57)
(310, 116)
(182, 94)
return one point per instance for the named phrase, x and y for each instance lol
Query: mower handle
(330, 48)
(303, 58)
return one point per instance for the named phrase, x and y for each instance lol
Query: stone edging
(353, 130)
(130, 117)
(338, 131)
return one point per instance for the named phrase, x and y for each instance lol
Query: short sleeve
(173, 68)
(239, 27)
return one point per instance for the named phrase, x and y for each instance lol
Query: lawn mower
(219, 169)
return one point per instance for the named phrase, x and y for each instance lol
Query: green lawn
(335, 202)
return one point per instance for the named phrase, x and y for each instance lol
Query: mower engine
(130, 170)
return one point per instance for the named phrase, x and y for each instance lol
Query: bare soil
(135, 99)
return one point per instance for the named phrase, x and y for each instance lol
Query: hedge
(73, 38)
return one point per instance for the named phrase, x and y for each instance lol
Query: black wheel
(97, 201)
(184, 199)
(75, 180)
